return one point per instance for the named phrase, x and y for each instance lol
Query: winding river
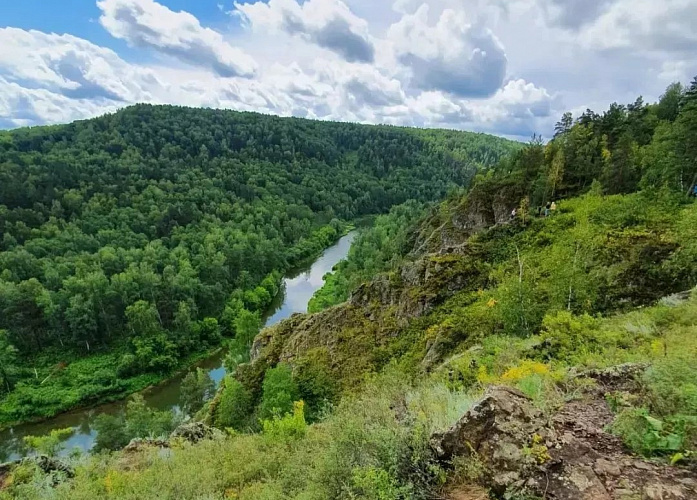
(298, 287)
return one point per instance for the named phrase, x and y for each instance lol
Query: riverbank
(64, 382)
(162, 393)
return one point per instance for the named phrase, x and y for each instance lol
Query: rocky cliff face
(359, 335)
(569, 456)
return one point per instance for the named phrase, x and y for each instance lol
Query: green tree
(196, 388)
(279, 391)
(247, 326)
(235, 406)
(669, 104)
(8, 360)
(111, 432)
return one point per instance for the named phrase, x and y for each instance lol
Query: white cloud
(72, 67)
(667, 26)
(503, 67)
(20, 106)
(146, 23)
(327, 23)
(457, 54)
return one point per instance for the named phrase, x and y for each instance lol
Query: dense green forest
(625, 149)
(130, 242)
(446, 301)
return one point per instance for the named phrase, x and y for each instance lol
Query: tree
(280, 391)
(669, 104)
(111, 432)
(556, 172)
(564, 125)
(197, 388)
(247, 326)
(686, 134)
(235, 406)
(8, 360)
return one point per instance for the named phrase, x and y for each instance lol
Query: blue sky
(509, 67)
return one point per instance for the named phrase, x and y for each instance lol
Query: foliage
(50, 444)
(376, 249)
(280, 391)
(290, 426)
(648, 435)
(137, 421)
(363, 450)
(196, 388)
(132, 232)
(235, 406)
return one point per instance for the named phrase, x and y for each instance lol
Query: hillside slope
(497, 345)
(131, 242)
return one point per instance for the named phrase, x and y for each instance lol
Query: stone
(194, 432)
(495, 430)
(607, 468)
(139, 444)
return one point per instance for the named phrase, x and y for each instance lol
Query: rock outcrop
(141, 444)
(567, 456)
(55, 469)
(194, 432)
(498, 431)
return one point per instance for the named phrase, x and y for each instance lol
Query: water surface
(298, 287)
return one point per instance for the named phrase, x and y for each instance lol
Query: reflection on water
(298, 288)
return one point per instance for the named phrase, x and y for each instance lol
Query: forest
(132, 242)
(627, 148)
(588, 306)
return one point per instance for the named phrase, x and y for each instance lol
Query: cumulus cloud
(519, 109)
(456, 54)
(668, 26)
(327, 23)
(436, 69)
(573, 14)
(146, 23)
(71, 67)
(21, 106)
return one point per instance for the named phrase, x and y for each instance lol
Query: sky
(507, 67)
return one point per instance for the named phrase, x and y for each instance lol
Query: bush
(280, 391)
(235, 405)
(291, 426)
(564, 335)
(196, 388)
(647, 435)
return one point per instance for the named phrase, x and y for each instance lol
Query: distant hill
(142, 234)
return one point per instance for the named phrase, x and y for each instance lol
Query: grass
(374, 443)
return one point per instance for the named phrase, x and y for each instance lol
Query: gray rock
(139, 444)
(195, 432)
(496, 430)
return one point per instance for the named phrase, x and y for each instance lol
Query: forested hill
(148, 234)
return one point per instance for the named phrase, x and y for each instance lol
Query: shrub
(648, 435)
(235, 405)
(50, 444)
(196, 388)
(289, 427)
(564, 334)
(280, 391)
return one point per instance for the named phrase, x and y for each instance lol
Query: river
(297, 290)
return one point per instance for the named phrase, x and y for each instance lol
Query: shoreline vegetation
(156, 380)
(133, 241)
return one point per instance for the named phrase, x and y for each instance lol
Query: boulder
(194, 432)
(49, 465)
(139, 444)
(499, 430)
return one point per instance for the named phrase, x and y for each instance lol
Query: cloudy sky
(508, 67)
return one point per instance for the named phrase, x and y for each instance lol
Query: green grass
(374, 443)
